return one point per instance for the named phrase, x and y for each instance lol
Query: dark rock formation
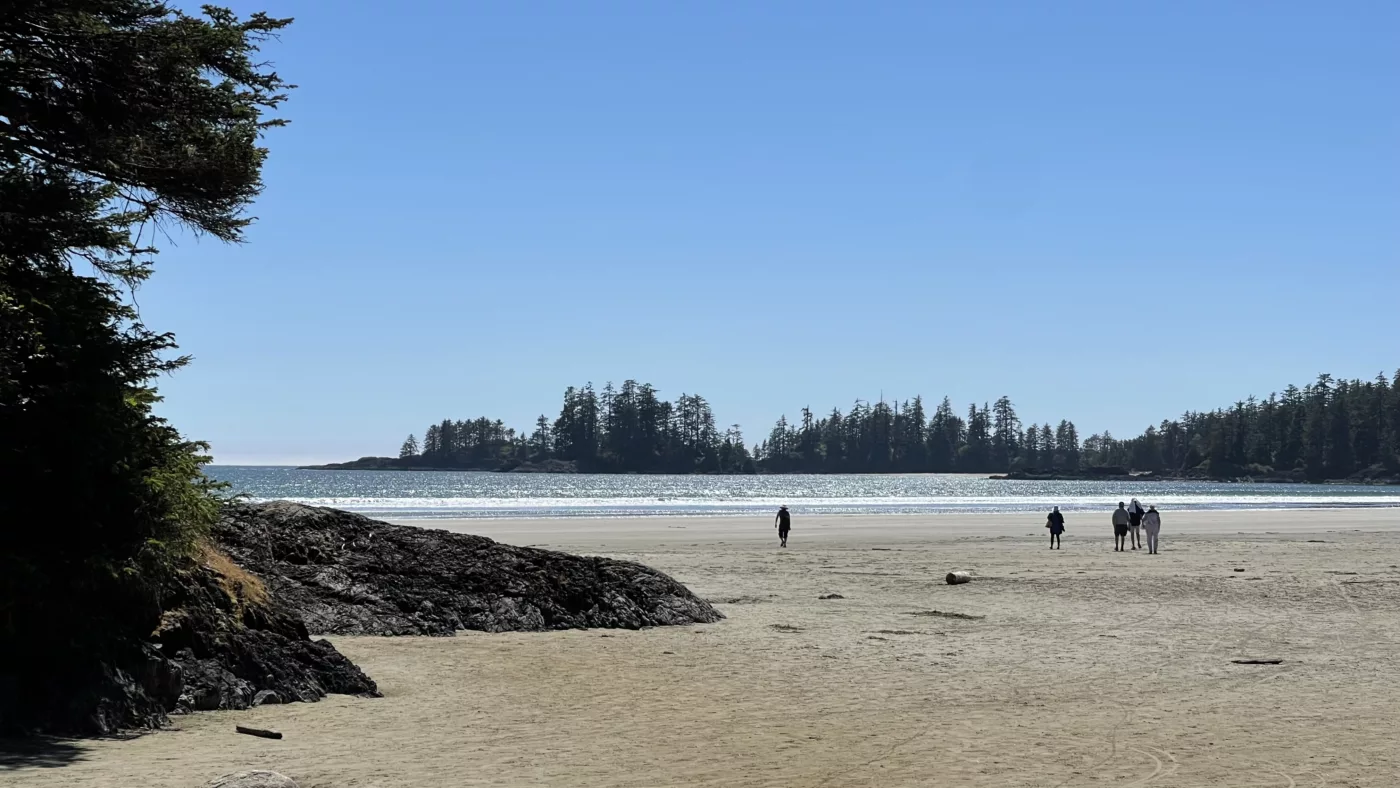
(348, 574)
(230, 650)
(214, 649)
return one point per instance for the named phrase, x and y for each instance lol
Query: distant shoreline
(1016, 476)
(1110, 475)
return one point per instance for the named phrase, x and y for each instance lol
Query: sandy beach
(1079, 667)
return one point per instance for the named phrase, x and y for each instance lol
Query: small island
(1328, 431)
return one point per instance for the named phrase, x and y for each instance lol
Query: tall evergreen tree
(1006, 434)
(1030, 447)
(976, 453)
(541, 440)
(1066, 447)
(117, 118)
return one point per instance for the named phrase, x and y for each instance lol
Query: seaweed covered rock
(348, 574)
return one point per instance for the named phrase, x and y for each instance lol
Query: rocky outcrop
(218, 646)
(348, 574)
(231, 649)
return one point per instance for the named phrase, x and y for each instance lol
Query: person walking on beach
(1120, 527)
(1135, 513)
(784, 523)
(1056, 523)
(1152, 521)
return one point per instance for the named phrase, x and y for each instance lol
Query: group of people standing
(1129, 522)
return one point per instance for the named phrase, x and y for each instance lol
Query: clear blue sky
(1110, 211)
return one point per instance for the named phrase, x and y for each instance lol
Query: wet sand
(1078, 667)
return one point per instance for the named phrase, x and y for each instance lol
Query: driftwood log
(258, 732)
(958, 578)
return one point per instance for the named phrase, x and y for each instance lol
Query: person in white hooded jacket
(1152, 522)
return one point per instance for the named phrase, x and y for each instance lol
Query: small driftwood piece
(1256, 661)
(258, 732)
(958, 578)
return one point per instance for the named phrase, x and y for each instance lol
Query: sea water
(425, 495)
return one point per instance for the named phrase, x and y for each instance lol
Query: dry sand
(1080, 667)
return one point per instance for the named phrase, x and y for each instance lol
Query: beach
(1077, 667)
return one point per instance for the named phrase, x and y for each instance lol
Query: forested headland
(1327, 430)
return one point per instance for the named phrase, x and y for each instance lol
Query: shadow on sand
(39, 752)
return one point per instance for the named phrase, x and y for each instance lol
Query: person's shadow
(39, 752)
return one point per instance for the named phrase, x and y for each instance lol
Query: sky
(1110, 212)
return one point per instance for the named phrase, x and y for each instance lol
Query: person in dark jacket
(784, 523)
(1135, 514)
(1056, 523)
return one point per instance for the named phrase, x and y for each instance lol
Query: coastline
(568, 468)
(593, 534)
(899, 679)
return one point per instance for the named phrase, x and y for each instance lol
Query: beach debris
(254, 779)
(266, 697)
(1239, 569)
(1317, 541)
(1256, 661)
(259, 732)
(830, 596)
(958, 578)
(944, 614)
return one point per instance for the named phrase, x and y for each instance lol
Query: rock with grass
(346, 574)
(233, 643)
(221, 642)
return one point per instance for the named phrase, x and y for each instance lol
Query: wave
(496, 507)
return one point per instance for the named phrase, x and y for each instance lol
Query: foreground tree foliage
(118, 119)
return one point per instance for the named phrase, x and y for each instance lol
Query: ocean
(428, 495)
